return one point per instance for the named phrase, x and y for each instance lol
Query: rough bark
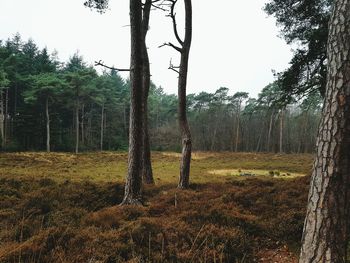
(326, 224)
(47, 124)
(134, 180)
(182, 84)
(147, 173)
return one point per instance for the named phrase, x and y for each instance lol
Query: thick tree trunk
(147, 173)
(182, 84)
(77, 126)
(47, 124)
(102, 125)
(134, 178)
(326, 224)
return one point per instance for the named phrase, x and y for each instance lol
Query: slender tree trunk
(102, 124)
(47, 124)
(182, 84)
(213, 140)
(82, 124)
(147, 173)
(2, 119)
(237, 129)
(281, 131)
(77, 126)
(326, 224)
(6, 117)
(133, 184)
(269, 133)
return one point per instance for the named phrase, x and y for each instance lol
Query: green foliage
(303, 22)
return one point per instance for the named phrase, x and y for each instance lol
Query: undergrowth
(43, 219)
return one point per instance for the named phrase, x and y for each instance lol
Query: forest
(96, 167)
(89, 110)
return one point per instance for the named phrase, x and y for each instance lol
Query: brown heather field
(64, 208)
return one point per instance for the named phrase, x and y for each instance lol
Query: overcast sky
(235, 44)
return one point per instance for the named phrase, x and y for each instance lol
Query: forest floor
(241, 207)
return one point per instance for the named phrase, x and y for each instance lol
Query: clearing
(241, 207)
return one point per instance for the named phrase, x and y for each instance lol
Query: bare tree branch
(173, 17)
(169, 44)
(100, 63)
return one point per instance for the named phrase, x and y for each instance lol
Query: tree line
(48, 104)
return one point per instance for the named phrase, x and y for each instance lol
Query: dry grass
(62, 208)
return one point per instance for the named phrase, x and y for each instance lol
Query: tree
(304, 22)
(326, 224)
(4, 82)
(78, 81)
(182, 70)
(46, 87)
(237, 99)
(133, 195)
(146, 166)
(147, 173)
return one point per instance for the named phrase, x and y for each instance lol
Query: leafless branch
(173, 68)
(173, 17)
(100, 63)
(169, 44)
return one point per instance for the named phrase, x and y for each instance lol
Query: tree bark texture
(147, 173)
(134, 180)
(182, 84)
(326, 224)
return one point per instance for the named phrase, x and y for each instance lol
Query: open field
(62, 208)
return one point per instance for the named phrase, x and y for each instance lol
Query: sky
(235, 44)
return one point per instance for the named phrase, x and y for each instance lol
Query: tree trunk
(134, 179)
(82, 124)
(281, 131)
(269, 133)
(326, 224)
(47, 125)
(182, 84)
(2, 119)
(102, 124)
(77, 126)
(237, 129)
(147, 173)
(6, 116)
